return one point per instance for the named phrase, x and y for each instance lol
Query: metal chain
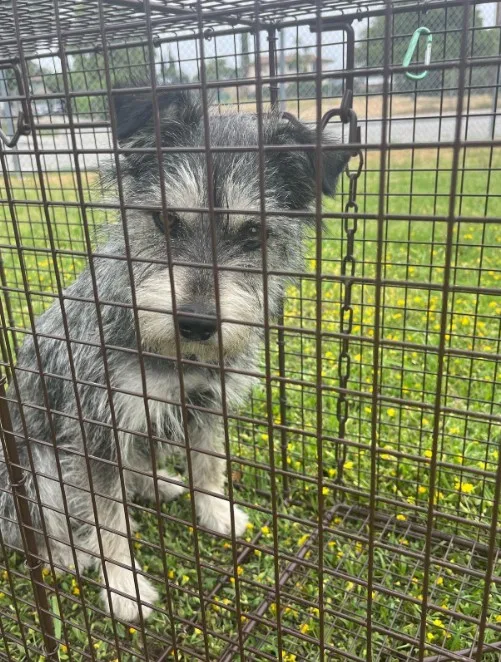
(348, 265)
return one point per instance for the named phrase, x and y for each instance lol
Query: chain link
(348, 269)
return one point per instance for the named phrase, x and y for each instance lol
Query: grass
(467, 458)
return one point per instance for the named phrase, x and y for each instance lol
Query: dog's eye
(172, 220)
(251, 237)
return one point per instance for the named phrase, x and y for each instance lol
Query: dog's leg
(208, 474)
(112, 526)
(115, 544)
(116, 549)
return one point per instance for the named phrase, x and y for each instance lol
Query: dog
(101, 386)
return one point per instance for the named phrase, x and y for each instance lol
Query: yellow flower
(240, 570)
(422, 489)
(430, 636)
(348, 465)
(185, 578)
(303, 539)
(325, 490)
(498, 618)
(63, 648)
(401, 517)
(350, 586)
(265, 530)
(428, 453)
(438, 623)
(45, 572)
(76, 591)
(391, 412)
(171, 574)
(466, 488)
(304, 628)
(250, 526)
(257, 552)
(289, 657)
(440, 581)
(132, 630)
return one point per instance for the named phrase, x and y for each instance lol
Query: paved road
(478, 126)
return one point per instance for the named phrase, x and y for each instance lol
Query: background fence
(368, 454)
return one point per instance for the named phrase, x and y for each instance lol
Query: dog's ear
(133, 108)
(297, 169)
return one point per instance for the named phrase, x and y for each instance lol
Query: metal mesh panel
(365, 450)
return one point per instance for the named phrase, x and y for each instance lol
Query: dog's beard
(237, 304)
(158, 334)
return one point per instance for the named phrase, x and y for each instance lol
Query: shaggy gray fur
(290, 184)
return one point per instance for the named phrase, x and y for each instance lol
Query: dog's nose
(196, 328)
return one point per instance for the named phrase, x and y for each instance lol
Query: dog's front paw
(215, 514)
(168, 490)
(126, 609)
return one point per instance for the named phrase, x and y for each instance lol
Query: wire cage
(367, 454)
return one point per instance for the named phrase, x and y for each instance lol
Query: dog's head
(231, 246)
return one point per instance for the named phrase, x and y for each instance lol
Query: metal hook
(23, 128)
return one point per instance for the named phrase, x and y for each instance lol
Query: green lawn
(468, 445)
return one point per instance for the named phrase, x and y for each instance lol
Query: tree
(218, 69)
(446, 28)
(87, 75)
(245, 55)
(171, 71)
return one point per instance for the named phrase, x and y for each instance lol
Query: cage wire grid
(367, 455)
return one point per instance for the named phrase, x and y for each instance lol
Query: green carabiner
(410, 52)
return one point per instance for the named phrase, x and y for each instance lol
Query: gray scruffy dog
(289, 185)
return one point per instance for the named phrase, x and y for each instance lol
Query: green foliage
(446, 28)
(468, 449)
